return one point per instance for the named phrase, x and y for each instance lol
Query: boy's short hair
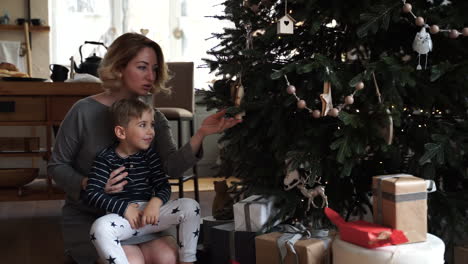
(123, 110)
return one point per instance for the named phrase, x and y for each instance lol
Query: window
(74, 22)
(181, 27)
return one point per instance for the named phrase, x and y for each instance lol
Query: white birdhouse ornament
(285, 25)
(422, 44)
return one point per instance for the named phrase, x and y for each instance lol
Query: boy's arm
(96, 196)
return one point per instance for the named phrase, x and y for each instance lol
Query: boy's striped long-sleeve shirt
(146, 179)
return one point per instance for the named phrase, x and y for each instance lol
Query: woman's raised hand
(116, 181)
(217, 123)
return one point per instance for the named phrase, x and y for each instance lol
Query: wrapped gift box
(461, 255)
(365, 234)
(203, 255)
(400, 202)
(230, 246)
(429, 252)
(208, 223)
(252, 213)
(309, 251)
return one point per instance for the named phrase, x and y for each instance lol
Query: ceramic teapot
(91, 64)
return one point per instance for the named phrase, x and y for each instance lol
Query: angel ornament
(422, 44)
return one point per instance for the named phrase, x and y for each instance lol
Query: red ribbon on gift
(365, 234)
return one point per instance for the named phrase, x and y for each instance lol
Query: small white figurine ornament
(422, 44)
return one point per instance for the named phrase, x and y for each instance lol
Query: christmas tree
(360, 88)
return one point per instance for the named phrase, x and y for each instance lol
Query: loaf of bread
(8, 66)
(10, 70)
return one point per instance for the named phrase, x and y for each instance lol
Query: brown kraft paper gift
(461, 254)
(400, 202)
(309, 251)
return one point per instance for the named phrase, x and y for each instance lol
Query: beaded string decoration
(326, 98)
(434, 29)
(422, 43)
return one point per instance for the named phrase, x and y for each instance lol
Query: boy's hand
(150, 215)
(132, 214)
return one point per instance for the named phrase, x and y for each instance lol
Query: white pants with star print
(108, 231)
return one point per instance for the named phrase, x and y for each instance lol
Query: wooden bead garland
(326, 110)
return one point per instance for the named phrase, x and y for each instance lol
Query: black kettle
(91, 64)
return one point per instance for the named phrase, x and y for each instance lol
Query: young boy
(142, 207)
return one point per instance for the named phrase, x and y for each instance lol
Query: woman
(133, 66)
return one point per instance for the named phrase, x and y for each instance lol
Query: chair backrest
(182, 88)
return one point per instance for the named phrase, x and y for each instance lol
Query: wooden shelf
(23, 154)
(21, 28)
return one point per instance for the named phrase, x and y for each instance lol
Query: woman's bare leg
(160, 251)
(134, 254)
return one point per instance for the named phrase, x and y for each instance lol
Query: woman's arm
(95, 195)
(66, 147)
(213, 124)
(175, 161)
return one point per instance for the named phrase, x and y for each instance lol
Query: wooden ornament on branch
(237, 93)
(326, 98)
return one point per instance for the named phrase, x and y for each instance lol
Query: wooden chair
(180, 107)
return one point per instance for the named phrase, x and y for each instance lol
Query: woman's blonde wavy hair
(121, 52)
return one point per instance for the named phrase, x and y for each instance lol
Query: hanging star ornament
(326, 99)
(422, 44)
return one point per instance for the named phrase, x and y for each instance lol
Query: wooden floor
(30, 230)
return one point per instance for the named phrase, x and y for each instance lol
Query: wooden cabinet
(41, 104)
(22, 108)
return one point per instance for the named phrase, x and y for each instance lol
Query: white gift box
(252, 213)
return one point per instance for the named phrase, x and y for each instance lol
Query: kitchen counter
(49, 88)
